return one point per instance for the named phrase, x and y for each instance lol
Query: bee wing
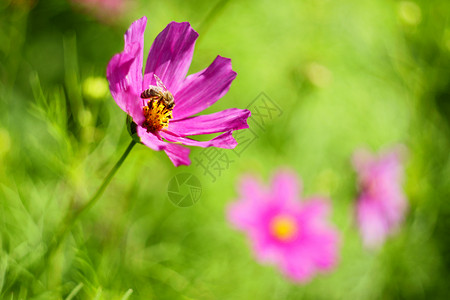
(159, 83)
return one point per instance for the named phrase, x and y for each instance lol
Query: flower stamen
(158, 110)
(157, 115)
(283, 227)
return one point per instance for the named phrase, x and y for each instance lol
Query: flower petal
(134, 38)
(179, 155)
(170, 56)
(324, 249)
(225, 140)
(149, 139)
(225, 120)
(373, 226)
(286, 186)
(298, 266)
(124, 71)
(315, 210)
(251, 189)
(201, 90)
(242, 215)
(264, 252)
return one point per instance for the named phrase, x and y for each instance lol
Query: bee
(159, 93)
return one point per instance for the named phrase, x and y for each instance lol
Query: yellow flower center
(157, 115)
(283, 227)
(158, 110)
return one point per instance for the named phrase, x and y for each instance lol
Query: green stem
(72, 216)
(105, 183)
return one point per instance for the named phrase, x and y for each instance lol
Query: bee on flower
(162, 102)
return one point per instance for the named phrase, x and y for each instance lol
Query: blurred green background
(345, 74)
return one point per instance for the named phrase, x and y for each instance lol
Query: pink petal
(225, 120)
(225, 140)
(121, 88)
(382, 204)
(372, 225)
(315, 210)
(251, 189)
(265, 252)
(124, 71)
(149, 139)
(242, 214)
(323, 247)
(170, 56)
(200, 90)
(178, 155)
(298, 266)
(134, 38)
(286, 186)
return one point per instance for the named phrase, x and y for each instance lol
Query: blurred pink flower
(381, 204)
(163, 100)
(291, 234)
(104, 9)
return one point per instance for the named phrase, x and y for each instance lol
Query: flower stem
(73, 215)
(105, 183)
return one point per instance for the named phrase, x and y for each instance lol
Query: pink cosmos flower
(291, 234)
(103, 9)
(162, 102)
(381, 204)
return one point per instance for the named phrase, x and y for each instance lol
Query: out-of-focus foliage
(346, 74)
